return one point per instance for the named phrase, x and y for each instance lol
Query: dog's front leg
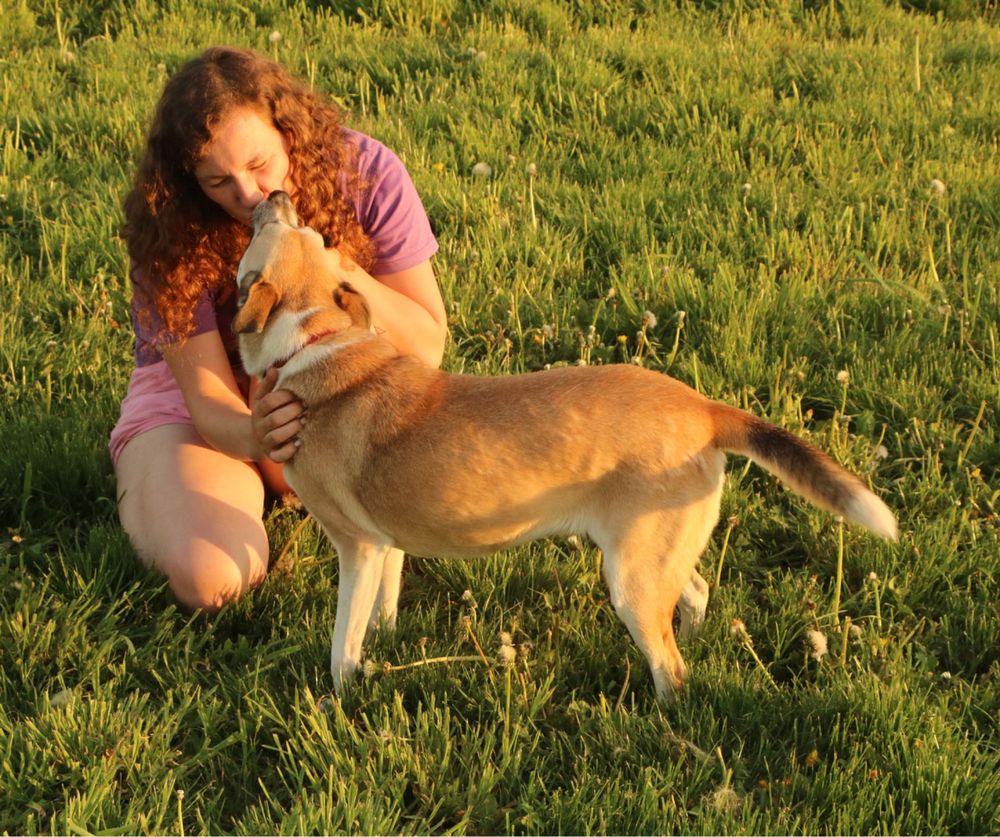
(361, 566)
(387, 601)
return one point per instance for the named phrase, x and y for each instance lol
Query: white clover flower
(843, 376)
(482, 169)
(937, 187)
(816, 640)
(274, 37)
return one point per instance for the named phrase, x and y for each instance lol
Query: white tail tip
(869, 511)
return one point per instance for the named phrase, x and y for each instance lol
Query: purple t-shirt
(388, 209)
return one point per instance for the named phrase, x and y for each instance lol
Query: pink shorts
(153, 399)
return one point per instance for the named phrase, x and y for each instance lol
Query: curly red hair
(179, 240)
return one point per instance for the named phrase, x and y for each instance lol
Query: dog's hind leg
(692, 606)
(644, 591)
(386, 604)
(361, 568)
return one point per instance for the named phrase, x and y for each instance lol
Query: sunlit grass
(754, 199)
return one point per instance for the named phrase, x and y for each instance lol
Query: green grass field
(756, 175)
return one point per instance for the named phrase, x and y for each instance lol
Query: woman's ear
(354, 304)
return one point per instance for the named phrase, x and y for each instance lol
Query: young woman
(198, 442)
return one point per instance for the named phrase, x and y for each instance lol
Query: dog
(398, 456)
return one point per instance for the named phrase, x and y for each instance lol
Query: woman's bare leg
(193, 513)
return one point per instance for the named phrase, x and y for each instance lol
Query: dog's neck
(313, 338)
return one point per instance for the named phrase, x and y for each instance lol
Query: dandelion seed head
(946, 675)
(745, 189)
(648, 319)
(843, 376)
(180, 795)
(548, 331)
(482, 169)
(508, 655)
(724, 799)
(274, 37)
(532, 170)
(506, 638)
(855, 631)
(60, 699)
(368, 669)
(737, 627)
(881, 452)
(581, 362)
(525, 649)
(467, 596)
(681, 316)
(873, 577)
(575, 542)
(937, 187)
(816, 640)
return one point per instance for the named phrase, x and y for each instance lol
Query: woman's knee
(208, 578)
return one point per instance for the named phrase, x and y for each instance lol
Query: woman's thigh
(194, 514)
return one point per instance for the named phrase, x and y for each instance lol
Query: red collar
(313, 338)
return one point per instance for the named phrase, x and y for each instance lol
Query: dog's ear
(255, 307)
(354, 304)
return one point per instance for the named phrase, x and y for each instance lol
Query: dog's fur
(398, 456)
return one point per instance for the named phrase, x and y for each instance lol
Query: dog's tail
(807, 470)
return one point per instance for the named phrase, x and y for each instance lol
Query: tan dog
(398, 456)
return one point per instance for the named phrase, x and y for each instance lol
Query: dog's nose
(280, 198)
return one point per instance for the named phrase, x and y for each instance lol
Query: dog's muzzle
(277, 207)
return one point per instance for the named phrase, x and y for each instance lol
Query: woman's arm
(266, 429)
(406, 309)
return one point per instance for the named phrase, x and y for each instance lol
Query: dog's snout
(277, 206)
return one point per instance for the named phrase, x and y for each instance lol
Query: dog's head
(291, 288)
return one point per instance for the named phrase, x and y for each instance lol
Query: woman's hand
(275, 419)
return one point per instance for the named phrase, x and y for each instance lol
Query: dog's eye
(241, 300)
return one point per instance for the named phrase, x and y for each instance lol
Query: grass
(756, 176)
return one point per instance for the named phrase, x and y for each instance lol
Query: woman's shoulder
(372, 158)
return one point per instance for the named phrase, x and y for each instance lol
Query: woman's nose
(249, 192)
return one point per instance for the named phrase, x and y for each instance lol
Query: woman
(198, 443)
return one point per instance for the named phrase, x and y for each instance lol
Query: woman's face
(246, 160)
